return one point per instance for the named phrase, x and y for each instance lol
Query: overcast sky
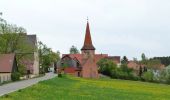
(118, 27)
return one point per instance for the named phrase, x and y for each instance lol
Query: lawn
(72, 88)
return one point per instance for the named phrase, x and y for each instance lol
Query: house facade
(136, 66)
(8, 65)
(31, 60)
(85, 63)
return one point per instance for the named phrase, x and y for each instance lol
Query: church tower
(88, 50)
(89, 67)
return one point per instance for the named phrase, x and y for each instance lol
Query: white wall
(5, 77)
(36, 64)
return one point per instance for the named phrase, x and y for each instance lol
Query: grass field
(72, 88)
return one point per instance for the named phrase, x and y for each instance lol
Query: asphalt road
(11, 87)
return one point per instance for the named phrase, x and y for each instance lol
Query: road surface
(11, 87)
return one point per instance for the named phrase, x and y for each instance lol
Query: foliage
(15, 76)
(168, 76)
(13, 39)
(144, 60)
(106, 66)
(150, 63)
(164, 60)
(165, 75)
(124, 60)
(143, 57)
(73, 88)
(46, 56)
(154, 64)
(124, 73)
(21, 69)
(14, 42)
(124, 68)
(148, 76)
(74, 50)
(59, 75)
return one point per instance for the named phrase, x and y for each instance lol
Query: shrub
(148, 76)
(22, 69)
(168, 76)
(136, 78)
(162, 77)
(59, 75)
(165, 76)
(15, 76)
(122, 75)
(106, 67)
(114, 74)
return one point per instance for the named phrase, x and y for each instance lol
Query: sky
(118, 27)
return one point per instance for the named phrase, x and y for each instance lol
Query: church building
(85, 63)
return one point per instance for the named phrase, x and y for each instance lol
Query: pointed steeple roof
(88, 42)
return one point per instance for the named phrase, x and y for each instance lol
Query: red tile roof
(116, 59)
(77, 56)
(88, 42)
(97, 57)
(100, 56)
(6, 62)
(134, 65)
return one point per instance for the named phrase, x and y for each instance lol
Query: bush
(106, 67)
(148, 76)
(162, 77)
(22, 69)
(15, 76)
(59, 75)
(168, 76)
(165, 76)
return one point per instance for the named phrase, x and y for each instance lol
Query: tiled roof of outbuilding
(6, 62)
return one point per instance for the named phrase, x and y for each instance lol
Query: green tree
(144, 59)
(164, 60)
(74, 50)
(21, 69)
(13, 39)
(124, 60)
(46, 57)
(154, 64)
(148, 76)
(106, 66)
(125, 68)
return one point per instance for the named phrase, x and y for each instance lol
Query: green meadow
(73, 88)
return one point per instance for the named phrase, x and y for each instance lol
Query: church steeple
(88, 45)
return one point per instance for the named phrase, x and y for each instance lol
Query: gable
(6, 62)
